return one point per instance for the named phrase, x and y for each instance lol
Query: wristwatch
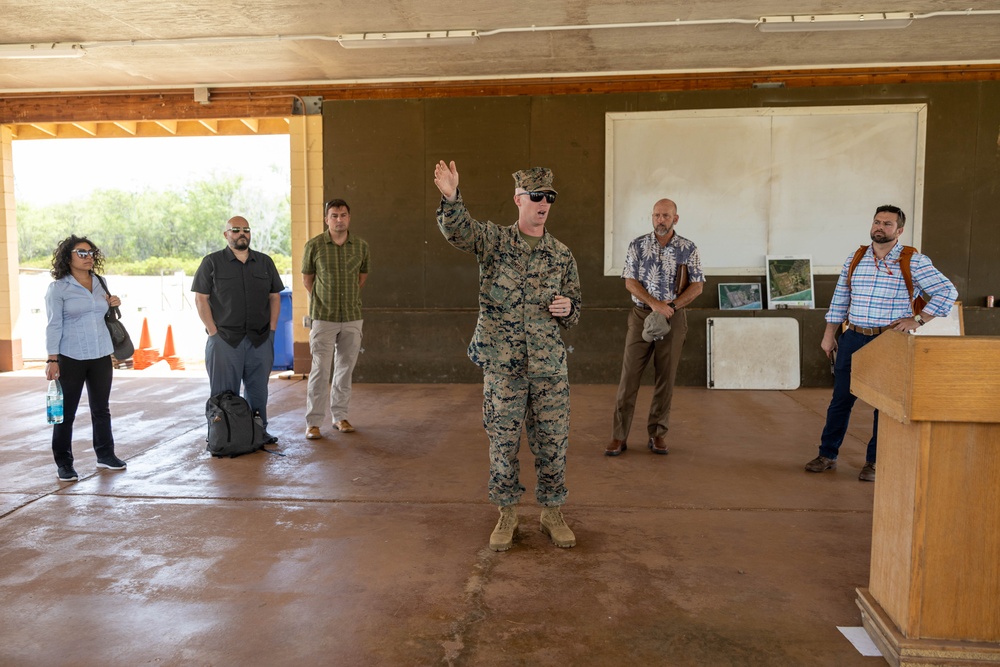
(672, 305)
(919, 320)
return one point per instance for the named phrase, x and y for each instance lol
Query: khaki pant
(666, 355)
(334, 347)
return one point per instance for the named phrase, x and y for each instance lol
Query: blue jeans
(838, 415)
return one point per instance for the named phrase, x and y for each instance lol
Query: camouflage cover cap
(536, 179)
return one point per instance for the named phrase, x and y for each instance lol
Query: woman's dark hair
(61, 256)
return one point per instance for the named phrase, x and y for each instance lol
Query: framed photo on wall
(740, 296)
(789, 281)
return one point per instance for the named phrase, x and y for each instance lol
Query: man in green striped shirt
(334, 269)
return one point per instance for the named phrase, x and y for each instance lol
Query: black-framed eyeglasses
(539, 196)
(84, 254)
(237, 230)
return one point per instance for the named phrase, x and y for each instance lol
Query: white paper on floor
(861, 641)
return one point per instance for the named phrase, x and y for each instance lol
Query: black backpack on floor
(232, 429)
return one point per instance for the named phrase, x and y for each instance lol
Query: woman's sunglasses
(84, 254)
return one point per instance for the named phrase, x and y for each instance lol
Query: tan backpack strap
(905, 257)
(858, 254)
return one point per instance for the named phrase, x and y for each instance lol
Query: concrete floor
(370, 548)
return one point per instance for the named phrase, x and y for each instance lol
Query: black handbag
(119, 336)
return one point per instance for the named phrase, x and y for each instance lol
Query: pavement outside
(371, 548)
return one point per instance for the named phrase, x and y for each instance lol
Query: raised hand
(446, 179)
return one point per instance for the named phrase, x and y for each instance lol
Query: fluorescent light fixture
(375, 40)
(52, 50)
(819, 22)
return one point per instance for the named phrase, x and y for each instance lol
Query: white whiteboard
(753, 352)
(766, 181)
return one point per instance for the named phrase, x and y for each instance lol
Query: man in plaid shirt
(334, 269)
(874, 299)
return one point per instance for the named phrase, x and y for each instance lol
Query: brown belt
(867, 331)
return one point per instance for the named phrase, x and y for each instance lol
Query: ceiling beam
(87, 128)
(46, 128)
(126, 125)
(276, 101)
(169, 125)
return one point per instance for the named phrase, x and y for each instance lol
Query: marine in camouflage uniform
(528, 288)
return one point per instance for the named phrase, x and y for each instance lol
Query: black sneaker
(111, 463)
(67, 474)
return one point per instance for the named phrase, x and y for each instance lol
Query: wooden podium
(934, 593)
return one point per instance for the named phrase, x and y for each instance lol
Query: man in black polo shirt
(237, 296)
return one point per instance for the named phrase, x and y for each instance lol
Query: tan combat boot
(555, 527)
(503, 535)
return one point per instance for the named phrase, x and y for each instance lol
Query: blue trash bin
(284, 355)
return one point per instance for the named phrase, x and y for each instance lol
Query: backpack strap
(905, 257)
(858, 254)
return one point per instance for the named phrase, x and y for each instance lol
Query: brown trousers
(666, 355)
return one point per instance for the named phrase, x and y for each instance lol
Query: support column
(10, 289)
(306, 144)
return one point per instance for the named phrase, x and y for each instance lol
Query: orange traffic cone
(146, 355)
(144, 340)
(168, 352)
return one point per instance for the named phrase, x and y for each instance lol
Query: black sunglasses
(539, 196)
(237, 230)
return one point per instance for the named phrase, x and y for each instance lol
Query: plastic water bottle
(54, 403)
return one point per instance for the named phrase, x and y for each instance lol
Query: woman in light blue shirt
(79, 350)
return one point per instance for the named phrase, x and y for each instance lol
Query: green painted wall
(420, 300)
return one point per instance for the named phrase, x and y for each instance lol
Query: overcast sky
(48, 171)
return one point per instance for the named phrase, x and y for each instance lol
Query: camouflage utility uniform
(518, 346)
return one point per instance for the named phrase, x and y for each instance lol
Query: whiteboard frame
(613, 264)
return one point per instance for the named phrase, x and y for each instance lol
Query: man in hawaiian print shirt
(663, 274)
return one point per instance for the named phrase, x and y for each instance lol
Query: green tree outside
(154, 232)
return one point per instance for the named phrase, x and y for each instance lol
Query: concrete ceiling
(154, 45)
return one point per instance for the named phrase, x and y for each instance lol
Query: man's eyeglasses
(539, 196)
(84, 254)
(237, 230)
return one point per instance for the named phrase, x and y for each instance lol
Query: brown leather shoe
(615, 448)
(657, 445)
(344, 426)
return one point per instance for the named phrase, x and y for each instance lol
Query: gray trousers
(229, 366)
